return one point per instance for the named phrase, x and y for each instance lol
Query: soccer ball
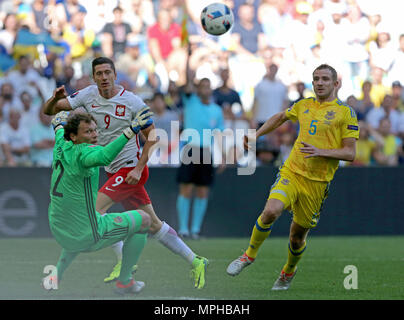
(217, 19)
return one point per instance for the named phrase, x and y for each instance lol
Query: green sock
(132, 248)
(64, 261)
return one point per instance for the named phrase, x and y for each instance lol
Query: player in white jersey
(114, 109)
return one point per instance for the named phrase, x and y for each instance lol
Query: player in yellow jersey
(328, 133)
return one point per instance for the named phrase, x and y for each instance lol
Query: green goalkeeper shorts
(114, 227)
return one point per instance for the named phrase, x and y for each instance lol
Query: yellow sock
(260, 232)
(293, 258)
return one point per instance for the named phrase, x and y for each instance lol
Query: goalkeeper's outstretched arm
(57, 102)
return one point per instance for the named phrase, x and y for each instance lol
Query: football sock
(260, 232)
(131, 250)
(293, 258)
(183, 206)
(117, 248)
(170, 239)
(65, 259)
(198, 213)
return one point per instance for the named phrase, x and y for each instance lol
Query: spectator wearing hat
(397, 94)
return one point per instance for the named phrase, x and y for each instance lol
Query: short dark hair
(73, 123)
(102, 60)
(326, 66)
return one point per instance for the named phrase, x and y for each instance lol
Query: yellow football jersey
(323, 126)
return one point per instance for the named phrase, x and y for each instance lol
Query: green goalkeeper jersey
(75, 177)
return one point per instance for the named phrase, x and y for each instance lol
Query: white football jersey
(113, 116)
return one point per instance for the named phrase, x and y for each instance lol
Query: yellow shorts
(303, 197)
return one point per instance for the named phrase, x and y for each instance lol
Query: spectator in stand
(382, 52)
(357, 32)
(249, 42)
(15, 141)
(138, 66)
(139, 14)
(115, 35)
(65, 9)
(234, 116)
(390, 144)
(379, 89)
(173, 97)
(29, 115)
(385, 111)
(225, 96)
(397, 94)
(24, 77)
(39, 16)
(164, 40)
(9, 32)
(42, 141)
(366, 147)
(364, 104)
(300, 90)
(287, 139)
(9, 100)
(67, 79)
(248, 35)
(270, 96)
(302, 34)
(396, 72)
(79, 38)
(168, 121)
(275, 18)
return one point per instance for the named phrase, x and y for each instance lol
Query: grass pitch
(378, 260)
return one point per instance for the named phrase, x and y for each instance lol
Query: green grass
(379, 261)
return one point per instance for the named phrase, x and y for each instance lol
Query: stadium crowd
(263, 65)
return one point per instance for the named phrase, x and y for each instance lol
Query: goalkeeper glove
(60, 119)
(142, 121)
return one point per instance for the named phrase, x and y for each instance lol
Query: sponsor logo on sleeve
(352, 127)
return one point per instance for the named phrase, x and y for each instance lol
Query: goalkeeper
(73, 221)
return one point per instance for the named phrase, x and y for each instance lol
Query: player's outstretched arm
(102, 156)
(57, 102)
(272, 123)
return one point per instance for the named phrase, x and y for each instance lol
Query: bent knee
(146, 221)
(272, 211)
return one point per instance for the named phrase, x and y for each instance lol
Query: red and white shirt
(113, 116)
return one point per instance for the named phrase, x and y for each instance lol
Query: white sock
(170, 239)
(117, 248)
